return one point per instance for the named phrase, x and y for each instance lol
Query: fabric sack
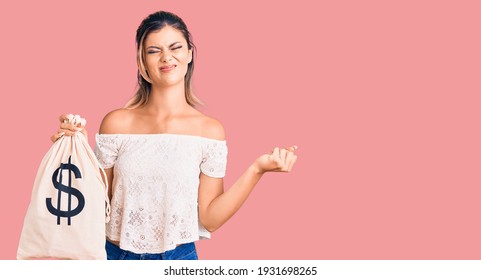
(69, 205)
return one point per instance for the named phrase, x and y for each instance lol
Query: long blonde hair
(154, 22)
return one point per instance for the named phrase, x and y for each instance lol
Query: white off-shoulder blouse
(155, 187)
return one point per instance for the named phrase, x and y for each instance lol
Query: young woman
(164, 159)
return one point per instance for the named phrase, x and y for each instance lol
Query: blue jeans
(182, 252)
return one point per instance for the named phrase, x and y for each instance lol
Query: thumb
(292, 148)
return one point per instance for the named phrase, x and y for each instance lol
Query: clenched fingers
(283, 159)
(69, 125)
(275, 154)
(290, 162)
(290, 158)
(72, 119)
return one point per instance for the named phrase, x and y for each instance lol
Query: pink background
(382, 98)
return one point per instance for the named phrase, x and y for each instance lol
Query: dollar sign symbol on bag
(67, 189)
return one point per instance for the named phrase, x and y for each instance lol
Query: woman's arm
(110, 176)
(217, 206)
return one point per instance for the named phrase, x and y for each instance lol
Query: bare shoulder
(116, 122)
(212, 128)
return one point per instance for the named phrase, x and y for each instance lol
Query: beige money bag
(69, 205)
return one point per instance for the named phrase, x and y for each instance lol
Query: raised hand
(279, 160)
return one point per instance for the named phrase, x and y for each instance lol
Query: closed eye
(156, 51)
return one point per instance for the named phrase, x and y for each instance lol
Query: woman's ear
(190, 55)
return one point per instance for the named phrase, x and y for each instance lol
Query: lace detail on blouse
(155, 187)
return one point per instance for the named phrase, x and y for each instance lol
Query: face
(166, 56)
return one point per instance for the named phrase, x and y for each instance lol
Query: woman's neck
(167, 100)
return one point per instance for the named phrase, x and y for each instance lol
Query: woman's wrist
(255, 169)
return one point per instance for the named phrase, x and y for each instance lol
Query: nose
(166, 56)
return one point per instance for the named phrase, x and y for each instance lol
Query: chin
(169, 82)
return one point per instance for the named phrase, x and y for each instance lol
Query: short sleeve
(106, 149)
(214, 158)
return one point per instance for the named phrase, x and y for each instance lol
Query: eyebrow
(155, 47)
